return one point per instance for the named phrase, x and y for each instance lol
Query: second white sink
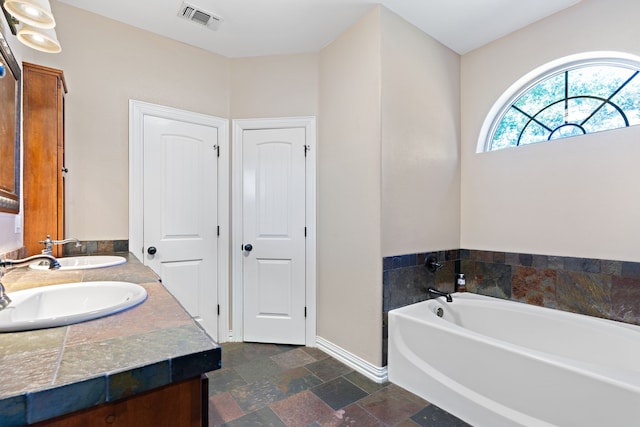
(81, 262)
(60, 305)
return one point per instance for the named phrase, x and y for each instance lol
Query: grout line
(59, 361)
(322, 381)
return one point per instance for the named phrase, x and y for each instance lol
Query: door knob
(248, 247)
(151, 250)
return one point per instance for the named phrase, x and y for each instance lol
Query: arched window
(573, 96)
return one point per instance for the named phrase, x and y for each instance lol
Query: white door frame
(137, 111)
(240, 125)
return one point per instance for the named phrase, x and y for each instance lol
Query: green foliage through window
(575, 101)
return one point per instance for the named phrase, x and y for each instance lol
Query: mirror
(9, 130)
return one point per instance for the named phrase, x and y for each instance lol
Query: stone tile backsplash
(603, 288)
(88, 247)
(93, 247)
(15, 254)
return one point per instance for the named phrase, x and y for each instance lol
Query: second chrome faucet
(48, 244)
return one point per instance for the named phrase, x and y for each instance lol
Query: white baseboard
(374, 373)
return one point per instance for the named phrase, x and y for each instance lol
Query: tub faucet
(434, 291)
(432, 264)
(4, 298)
(48, 243)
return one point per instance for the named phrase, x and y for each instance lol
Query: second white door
(273, 194)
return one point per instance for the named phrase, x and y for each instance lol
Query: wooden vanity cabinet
(183, 404)
(43, 143)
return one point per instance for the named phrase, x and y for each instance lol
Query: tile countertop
(50, 372)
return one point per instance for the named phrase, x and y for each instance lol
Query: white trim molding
(239, 125)
(374, 373)
(137, 111)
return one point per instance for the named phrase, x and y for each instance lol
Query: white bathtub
(497, 363)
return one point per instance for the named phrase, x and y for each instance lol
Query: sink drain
(440, 312)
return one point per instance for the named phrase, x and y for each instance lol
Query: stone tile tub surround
(61, 370)
(405, 280)
(601, 288)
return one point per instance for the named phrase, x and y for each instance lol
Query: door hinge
(305, 232)
(305, 312)
(217, 148)
(218, 309)
(306, 149)
(218, 230)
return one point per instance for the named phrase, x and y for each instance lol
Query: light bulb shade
(36, 13)
(44, 40)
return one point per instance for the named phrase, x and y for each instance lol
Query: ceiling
(272, 27)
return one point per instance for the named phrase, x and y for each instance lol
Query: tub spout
(434, 291)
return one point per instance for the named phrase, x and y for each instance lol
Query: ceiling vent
(199, 16)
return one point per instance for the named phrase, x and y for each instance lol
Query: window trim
(537, 75)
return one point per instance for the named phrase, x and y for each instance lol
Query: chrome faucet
(4, 298)
(434, 291)
(48, 243)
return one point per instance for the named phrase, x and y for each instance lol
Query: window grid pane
(584, 99)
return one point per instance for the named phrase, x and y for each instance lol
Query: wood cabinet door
(177, 405)
(43, 111)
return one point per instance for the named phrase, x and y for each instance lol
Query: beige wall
(389, 169)
(420, 141)
(106, 63)
(574, 197)
(349, 193)
(274, 86)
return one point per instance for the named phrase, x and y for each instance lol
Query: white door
(273, 192)
(180, 212)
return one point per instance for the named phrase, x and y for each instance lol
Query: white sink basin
(81, 262)
(60, 305)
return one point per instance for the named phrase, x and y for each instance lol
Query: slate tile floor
(277, 385)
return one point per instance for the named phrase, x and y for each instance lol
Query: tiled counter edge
(48, 373)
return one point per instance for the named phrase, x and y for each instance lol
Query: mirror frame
(10, 190)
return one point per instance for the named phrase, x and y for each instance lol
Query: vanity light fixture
(37, 24)
(36, 13)
(44, 40)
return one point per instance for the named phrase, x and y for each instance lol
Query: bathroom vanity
(143, 366)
